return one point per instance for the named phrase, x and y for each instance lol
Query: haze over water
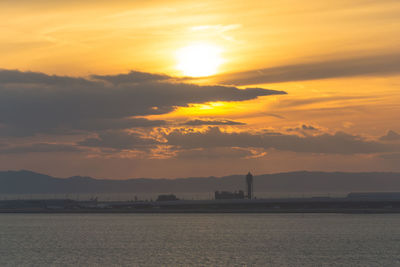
(199, 240)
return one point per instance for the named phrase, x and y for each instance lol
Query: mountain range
(28, 182)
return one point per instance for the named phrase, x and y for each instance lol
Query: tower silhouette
(249, 182)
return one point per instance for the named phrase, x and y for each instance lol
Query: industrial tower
(249, 182)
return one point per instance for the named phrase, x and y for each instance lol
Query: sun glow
(207, 109)
(199, 60)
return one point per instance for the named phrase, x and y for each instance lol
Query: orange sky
(337, 61)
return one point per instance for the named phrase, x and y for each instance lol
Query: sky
(128, 89)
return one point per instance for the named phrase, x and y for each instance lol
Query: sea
(199, 240)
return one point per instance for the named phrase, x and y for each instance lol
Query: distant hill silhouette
(27, 182)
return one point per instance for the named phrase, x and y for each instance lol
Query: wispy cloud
(212, 122)
(375, 65)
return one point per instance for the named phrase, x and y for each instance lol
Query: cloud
(215, 143)
(303, 127)
(308, 128)
(390, 156)
(384, 64)
(299, 102)
(115, 124)
(390, 136)
(212, 122)
(39, 148)
(33, 103)
(18, 77)
(132, 77)
(338, 143)
(218, 152)
(119, 140)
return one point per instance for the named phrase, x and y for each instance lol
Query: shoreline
(307, 205)
(202, 211)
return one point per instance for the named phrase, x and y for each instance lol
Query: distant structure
(238, 194)
(229, 195)
(374, 195)
(249, 183)
(170, 197)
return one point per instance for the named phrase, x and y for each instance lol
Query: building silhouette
(249, 183)
(170, 197)
(237, 194)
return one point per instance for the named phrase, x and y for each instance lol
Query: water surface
(199, 240)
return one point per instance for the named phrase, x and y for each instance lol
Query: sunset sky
(125, 89)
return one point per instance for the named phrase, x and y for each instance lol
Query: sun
(199, 60)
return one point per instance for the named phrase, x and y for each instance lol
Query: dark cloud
(390, 156)
(38, 78)
(303, 127)
(74, 127)
(338, 143)
(132, 77)
(385, 64)
(39, 148)
(115, 124)
(119, 140)
(390, 136)
(212, 122)
(32, 103)
(308, 128)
